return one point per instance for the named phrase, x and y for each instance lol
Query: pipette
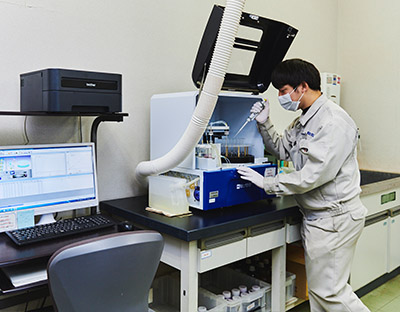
(251, 117)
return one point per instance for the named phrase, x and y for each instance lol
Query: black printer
(66, 90)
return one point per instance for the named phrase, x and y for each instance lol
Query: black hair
(295, 71)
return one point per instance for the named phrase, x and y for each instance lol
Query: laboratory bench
(211, 239)
(371, 177)
(201, 224)
(377, 256)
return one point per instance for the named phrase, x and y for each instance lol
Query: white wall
(151, 43)
(369, 63)
(316, 40)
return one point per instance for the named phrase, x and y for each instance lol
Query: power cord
(25, 131)
(80, 128)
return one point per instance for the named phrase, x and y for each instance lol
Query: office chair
(108, 273)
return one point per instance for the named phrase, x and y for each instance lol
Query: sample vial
(201, 309)
(227, 294)
(243, 289)
(235, 292)
(255, 287)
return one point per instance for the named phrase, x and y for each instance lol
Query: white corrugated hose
(208, 97)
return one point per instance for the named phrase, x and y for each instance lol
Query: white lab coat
(322, 144)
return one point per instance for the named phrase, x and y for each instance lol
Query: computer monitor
(44, 179)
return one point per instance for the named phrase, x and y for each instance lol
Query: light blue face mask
(287, 102)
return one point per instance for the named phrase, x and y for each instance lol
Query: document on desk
(8, 221)
(21, 275)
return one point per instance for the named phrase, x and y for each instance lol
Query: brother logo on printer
(70, 90)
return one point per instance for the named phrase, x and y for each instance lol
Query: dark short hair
(295, 71)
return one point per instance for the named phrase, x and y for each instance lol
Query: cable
(80, 128)
(226, 159)
(43, 302)
(25, 131)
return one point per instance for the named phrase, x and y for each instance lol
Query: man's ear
(304, 86)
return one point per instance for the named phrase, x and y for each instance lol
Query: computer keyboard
(59, 229)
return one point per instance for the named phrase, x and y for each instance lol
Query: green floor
(385, 298)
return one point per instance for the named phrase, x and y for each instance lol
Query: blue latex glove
(251, 175)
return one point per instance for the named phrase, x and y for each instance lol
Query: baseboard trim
(378, 282)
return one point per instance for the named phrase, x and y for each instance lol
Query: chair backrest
(109, 273)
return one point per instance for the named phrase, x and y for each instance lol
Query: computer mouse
(125, 226)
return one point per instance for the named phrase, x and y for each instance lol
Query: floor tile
(382, 295)
(377, 298)
(393, 306)
(372, 303)
(385, 298)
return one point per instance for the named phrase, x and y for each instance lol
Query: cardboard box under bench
(295, 263)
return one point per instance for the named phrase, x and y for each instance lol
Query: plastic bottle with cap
(235, 292)
(243, 289)
(255, 288)
(236, 302)
(227, 294)
(201, 309)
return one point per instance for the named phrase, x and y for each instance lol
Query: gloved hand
(251, 175)
(263, 113)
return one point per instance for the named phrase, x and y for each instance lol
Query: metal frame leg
(278, 294)
(189, 276)
(98, 120)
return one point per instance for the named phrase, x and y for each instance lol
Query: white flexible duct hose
(208, 97)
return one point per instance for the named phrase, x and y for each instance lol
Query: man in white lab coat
(322, 144)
